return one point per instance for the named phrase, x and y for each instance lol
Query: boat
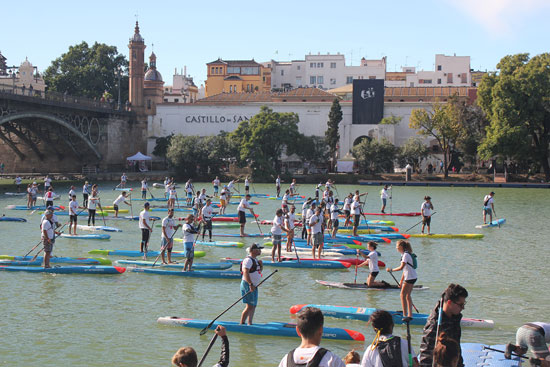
(234, 215)
(199, 266)
(363, 314)
(83, 269)
(412, 214)
(86, 236)
(222, 219)
(301, 251)
(15, 193)
(83, 213)
(12, 219)
(175, 209)
(42, 198)
(220, 274)
(449, 235)
(26, 260)
(270, 328)
(130, 253)
(495, 223)
(129, 217)
(363, 286)
(302, 263)
(98, 228)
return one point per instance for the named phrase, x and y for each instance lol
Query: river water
(61, 320)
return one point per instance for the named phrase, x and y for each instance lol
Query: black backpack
(314, 362)
(390, 352)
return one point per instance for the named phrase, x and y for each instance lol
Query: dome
(153, 75)
(137, 37)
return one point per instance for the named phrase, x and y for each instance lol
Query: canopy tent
(345, 164)
(138, 160)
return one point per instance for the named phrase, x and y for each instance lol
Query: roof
(153, 75)
(235, 63)
(294, 95)
(233, 77)
(412, 91)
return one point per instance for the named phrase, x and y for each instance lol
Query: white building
(25, 76)
(450, 71)
(323, 71)
(182, 90)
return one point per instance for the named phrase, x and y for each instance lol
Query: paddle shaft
(208, 349)
(42, 249)
(100, 208)
(203, 331)
(356, 261)
(501, 351)
(165, 246)
(409, 342)
(150, 192)
(252, 211)
(394, 278)
(439, 317)
(434, 213)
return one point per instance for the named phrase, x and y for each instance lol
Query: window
(439, 67)
(320, 79)
(349, 79)
(298, 67)
(212, 71)
(251, 70)
(148, 104)
(463, 78)
(333, 65)
(439, 81)
(372, 76)
(332, 81)
(311, 64)
(282, 72)
(230, 89)
(298, 80)
(233, 70)
(312, 80)
(248, 87)
(176, 100)
(319, 64)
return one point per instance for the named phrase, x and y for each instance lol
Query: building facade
(24, 76)
(236, 76)
(182, 90)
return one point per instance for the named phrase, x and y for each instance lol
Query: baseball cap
(49, 212)
(146, 204)
(256, 246)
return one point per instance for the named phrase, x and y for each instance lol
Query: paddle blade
(358, 242)
(296, 308)
(395, 229)
(387, 240)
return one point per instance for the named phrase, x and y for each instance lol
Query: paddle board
(495, 223)
(215, 243)
(466, 236)
(15, 193)
(199, 266)
(220, 274)
(130, 253)
(84, 269)
(363, 286)
(26, 260)
(12, 219)
(413, 214)
(86, 236)
(98, 228)
(271, 328)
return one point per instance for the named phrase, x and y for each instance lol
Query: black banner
(368, 101)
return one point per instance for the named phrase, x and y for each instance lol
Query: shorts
(357, 219)
(347, 213)
(115, 207)
(317, 239)
(195, 212)
(33, 196)
(384, 202)
(427, 221)
(488, 211)
(48, 247)
(163, 243)
(530, 337)
(247, 188)
(208, 224)
(145, 235)
(335, 223)
(374, 274)
(189, 195)
(72, 218)
(242, 217)
(276, 239)
(222, 202)
(251, 298)
(410, 281)
(216, 188)
(188, 250)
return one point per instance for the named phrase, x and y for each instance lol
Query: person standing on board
(426, 210)
(123, 180)
(241, 209)
(189, 232)
(289, 224)
(533, 336)
(93, 200)
(119, 200)
(73, 214)
(187, 357)
(85, 193)
(167, 238)
(47, 183)
(356, 210)
(292, 188)
(47, 229)
(190, 190)
(309, 326)
(71, 193)
(251, 268)
(223, 200)
(334, 213)
(284, 201)
(144, 189)
(384, 197)
(488, 207)
(454, 301)
(206, 219)
(172, 196)
(408, 278)
(278, 185)
(18, 183)
(305, 208)
(167, 185)
(310, 213)
(347, 209)
(48, 197)
(277, 233)
(146, 229)
(216, 184)
(316, 223)
(246, 185)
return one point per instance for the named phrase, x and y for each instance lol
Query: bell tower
(137, 70)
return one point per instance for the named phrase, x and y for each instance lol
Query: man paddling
(315, 223)
(533, 336)
(47, 229)
(73, 215)
(454, 301)
(488, 207)
(123, 180)
(384, 197)
(120, 199)
(356, 210)
(251, 269)
(187, 357)
(206, 219)
(189, 232)
(309, 326)
(169, 227)
(426, 210)
(146, 229)
(243, 205)
(278, 185)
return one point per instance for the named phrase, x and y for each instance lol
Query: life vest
(390, 352)
(253, 268)
(314, 362)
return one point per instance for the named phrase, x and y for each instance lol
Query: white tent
(345, 164)
(140, 159)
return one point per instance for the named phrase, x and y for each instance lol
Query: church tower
(137, 70)
(153, 87)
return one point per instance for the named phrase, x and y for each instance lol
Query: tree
(412, 152)
(375, 156)
(332, 135)
(162, 145)
(516, 101)
(88, 71)
(263, 138)
(391, 120)
(313, 149)
(471, 131)
(442, 123)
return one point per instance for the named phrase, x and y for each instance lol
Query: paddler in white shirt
(120, 199)
(384, 197)
(242, 213)
(169, 228)
(206, 219)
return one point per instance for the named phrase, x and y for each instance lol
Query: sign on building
(368, 101)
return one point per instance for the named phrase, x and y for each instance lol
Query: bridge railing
(59, 97)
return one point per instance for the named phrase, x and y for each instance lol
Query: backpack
(414, 265)
(254, 266)
(390, 352)
(314, 362)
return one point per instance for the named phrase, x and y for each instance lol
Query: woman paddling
(408, 278)
(372, 263)
(277, 232)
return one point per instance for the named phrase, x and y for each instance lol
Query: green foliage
(391, 120)
(161, 146)
(88, 71)
(471, 132)
(375, 156)
(263, 138)
(313, 149)
(516, 101)
(332, 136)
(412, 152)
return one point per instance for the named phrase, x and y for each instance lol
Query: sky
(192, 33)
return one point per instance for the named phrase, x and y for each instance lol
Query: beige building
(25, 76)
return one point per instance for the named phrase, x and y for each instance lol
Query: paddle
(391, 273)
(116, 187)
(439, 317)
(164, 247)
(148, 189)
(335, 188)
(131, 207)
(391, 204)
(208, 349)
(100, 208)
(434, 213)
(42, 249)
(203, 331)
(253, 188)
(494, 211)
(407, 321)
(252, 211)
(356, 261)
(501, 351)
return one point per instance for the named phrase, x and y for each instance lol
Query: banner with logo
(368, 101)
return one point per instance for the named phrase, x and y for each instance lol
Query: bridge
(49, 131)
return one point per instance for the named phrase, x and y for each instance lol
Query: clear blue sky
(193, 33)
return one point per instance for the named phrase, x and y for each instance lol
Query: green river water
(110, 320)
